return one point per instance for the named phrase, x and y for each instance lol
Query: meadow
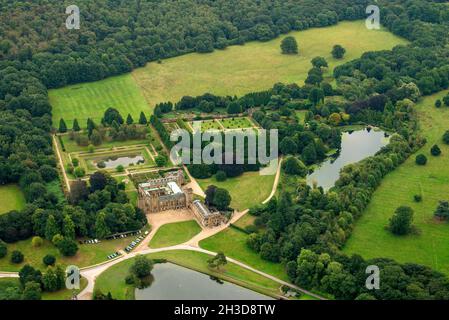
(11, 198)
(90, 100)
(236, 70)
(246, 190)
(429, 247)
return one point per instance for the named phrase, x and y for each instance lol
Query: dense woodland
(37, 52)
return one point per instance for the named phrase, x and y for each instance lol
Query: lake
(172, 282)
(355, 146)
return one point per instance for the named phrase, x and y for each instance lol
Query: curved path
(91, 273)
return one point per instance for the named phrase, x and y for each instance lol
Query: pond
(172, 282)
(114, 162)
(355, 146)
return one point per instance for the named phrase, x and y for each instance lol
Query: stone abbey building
(163, 194)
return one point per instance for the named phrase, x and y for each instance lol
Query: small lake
(355, 146)
(114, 162)
(172, 282)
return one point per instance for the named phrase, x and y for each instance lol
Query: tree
(50, 280)
(49, 260)
(446, 137)
(294, 166)
(62, 126)
(96, 138)
(210, 194)
(141, 267)
(316, 95)
(217, 261)
(98, 181)
(129, 119)
(319, 62)
(401, 222)
(438, 103)
(143, 119)
(68, 228)
(161, 160)
(76, 126)
(221, 176)
(222, 199)
(17, 257)
(289, 45)
(32, 291)
(421, 160)
(37, 242)
(446, 100)
(111, 115)
(79, 172)
(435, 150)
(309, 154)
(3, 249)
(338, 51)
(442, 211)
(234, 108)
(67, 247)
(101, 228)
(51, 228)
(288, 146)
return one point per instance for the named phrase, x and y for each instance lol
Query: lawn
(301, 116)
(175, 233)
(232, 243)
(11, 198)
(246, 190)
(113, 279)
(256, 66)
(206, 125)
(237, 123)
(88, 254)
(370, 239)
(64, 294)
(90, 100)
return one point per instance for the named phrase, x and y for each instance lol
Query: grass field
(370, 239)
(11, 198)
(88, 254)
(58, 295)
(113, 279)
(175, 233)
(235, 71)
(256, 65)
(246, 191)
(90, 100)
(232, 243)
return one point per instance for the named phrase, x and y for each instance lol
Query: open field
(58, 295)
(175, 233)
(206, 125)
(11, 198)
(232, 243)
(246, 191)
(234, 71)
(88, 254)
(113, 280)
(370, 239)
(238, 70)
(90, 100)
